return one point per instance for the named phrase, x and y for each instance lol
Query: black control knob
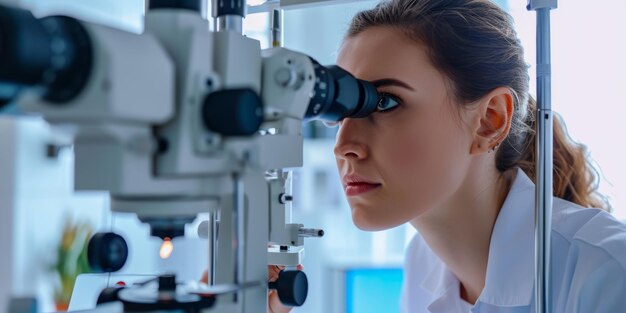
(292, 287)
(109, 294)
(107, 252)
(167, 282)
(233, 112)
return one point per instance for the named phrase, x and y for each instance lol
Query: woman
(451, 151)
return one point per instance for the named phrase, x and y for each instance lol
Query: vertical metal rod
(213, 235)
(239, 229)
(544, 165)
(214, 14)
(277, 28)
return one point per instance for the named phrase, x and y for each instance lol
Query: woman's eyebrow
(391, 82)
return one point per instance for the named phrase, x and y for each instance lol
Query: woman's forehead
(381, 52)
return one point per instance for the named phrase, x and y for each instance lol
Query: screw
(285, 198)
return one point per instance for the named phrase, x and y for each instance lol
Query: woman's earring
(494, 148)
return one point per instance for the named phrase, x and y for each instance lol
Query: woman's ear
(495, 112)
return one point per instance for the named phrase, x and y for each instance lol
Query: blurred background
(349, 270)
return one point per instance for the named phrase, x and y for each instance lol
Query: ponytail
(575, 179)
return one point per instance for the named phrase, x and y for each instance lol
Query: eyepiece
(23, 61)
(338, 95)
(53, 52)
(368, 96)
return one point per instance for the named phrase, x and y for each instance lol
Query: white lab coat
(588, 263)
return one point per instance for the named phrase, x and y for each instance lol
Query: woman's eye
(386, 102)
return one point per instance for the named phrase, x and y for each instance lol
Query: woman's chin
(366, 222)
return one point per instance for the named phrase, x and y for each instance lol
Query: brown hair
(474, 44)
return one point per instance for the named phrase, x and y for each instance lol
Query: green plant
(71, 258)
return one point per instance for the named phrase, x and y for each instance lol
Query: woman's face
(413, 154)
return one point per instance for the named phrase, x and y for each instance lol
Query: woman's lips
(355, 184)
(355, 189)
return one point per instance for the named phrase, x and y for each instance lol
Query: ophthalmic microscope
(177, 121)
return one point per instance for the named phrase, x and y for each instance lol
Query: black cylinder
(338, 95)
(233, 112)
(72, 59)
(54, 52)
(292, 287)
(107, 252)
(24, 47)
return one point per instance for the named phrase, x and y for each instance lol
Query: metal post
(239, 229)
(277, 28)
(213, 236)
(544, 166)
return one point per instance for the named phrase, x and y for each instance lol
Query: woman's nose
(349, 144)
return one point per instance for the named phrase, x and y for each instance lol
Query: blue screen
(373, 290)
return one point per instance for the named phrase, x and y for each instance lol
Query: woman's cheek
(416, 160)
(407, 149)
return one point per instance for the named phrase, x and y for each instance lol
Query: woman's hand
(205, 277)
(274, 304)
